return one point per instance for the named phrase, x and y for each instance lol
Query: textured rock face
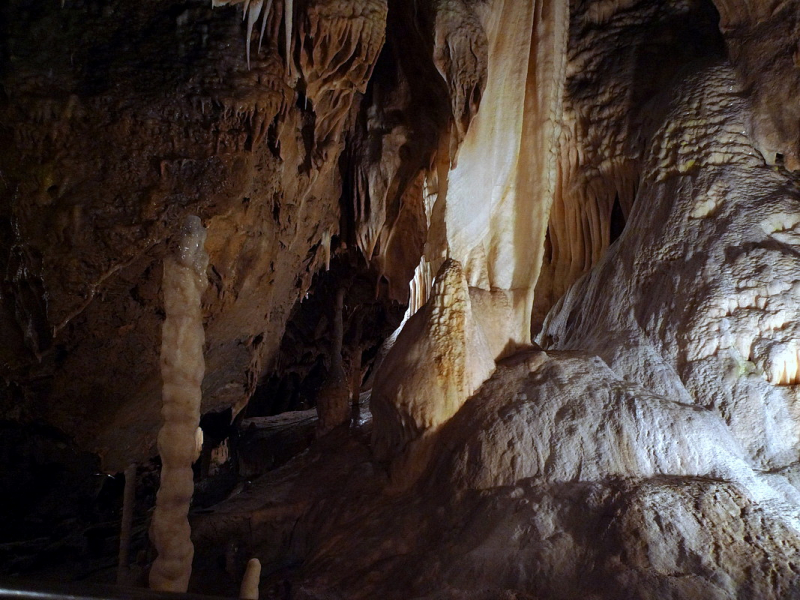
(650, 450)
(558, 479)
(667, 471)
(621, 56)
(439, 360)
(763, 39)
(572, 419)
(118, 123)
(703, 306)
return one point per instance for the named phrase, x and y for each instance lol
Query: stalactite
(250, 11)
(338, 44)
(288, 21)
(252, 17)
(460, 54)
(264, 24)
(435, 249)
(420, 286)
(326, 248)
(180, 437)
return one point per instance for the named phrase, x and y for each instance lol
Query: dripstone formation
(502, 296)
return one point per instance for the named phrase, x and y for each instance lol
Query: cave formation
(502, 296)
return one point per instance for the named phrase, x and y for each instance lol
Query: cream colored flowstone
(180, 438)
(500, 191)
(495, 193)
(491, 210)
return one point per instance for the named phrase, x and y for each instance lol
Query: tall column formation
(500, 192)
(180, 438)
(333, 400)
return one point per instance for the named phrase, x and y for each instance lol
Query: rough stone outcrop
(118, 122)
(439, 359)
(621, 56)
(558, 479)
(763, 39)
(616, 172)
(698, 299)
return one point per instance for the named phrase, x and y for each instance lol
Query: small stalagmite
(252, 576)
(180, 438)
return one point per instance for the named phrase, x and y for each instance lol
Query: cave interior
(431, 299)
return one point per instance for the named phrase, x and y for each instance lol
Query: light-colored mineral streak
(180, 438)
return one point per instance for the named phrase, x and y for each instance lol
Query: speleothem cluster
(535, 265)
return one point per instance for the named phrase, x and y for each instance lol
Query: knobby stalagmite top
(438, 361)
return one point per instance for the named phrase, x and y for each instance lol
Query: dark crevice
(617, 222)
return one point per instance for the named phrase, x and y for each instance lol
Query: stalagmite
(182, 369)
(128, 501)
(708, 319)
(648, 449)
(250, 581)
(333, 401)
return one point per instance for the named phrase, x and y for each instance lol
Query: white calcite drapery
(500, 189)
(488, 215)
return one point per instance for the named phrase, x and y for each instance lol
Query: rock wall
(702, 307)
(119, 120)
(635, 162)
